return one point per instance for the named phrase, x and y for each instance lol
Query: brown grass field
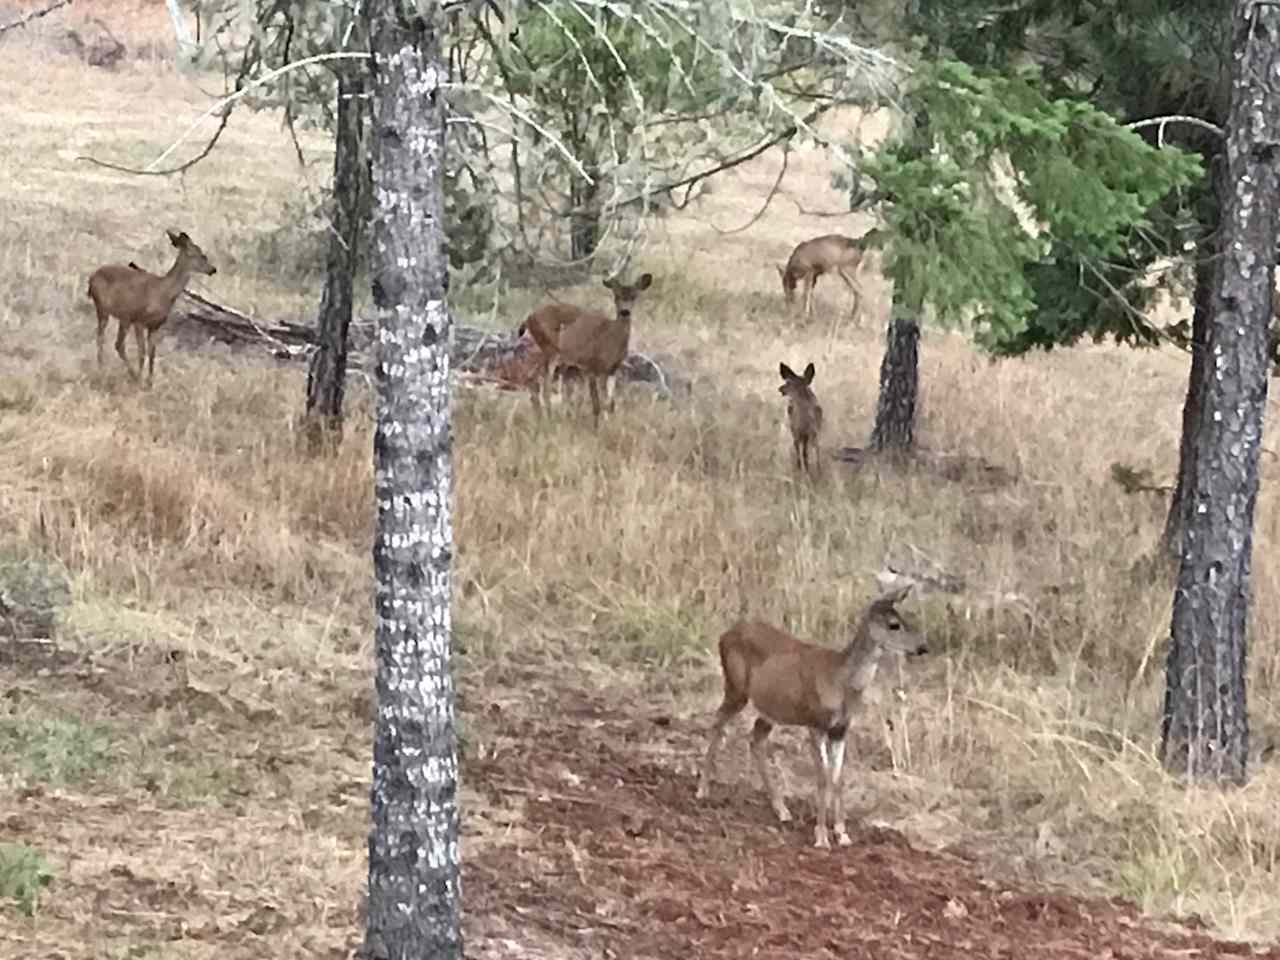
(192, 757)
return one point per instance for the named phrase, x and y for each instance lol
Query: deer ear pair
(788, 374)
(178, 239)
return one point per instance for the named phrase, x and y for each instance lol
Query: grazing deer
(589, 340)
(794, 683)
(143, 300)
(825, 254)
(804, 414)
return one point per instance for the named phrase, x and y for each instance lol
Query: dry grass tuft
(220, 579)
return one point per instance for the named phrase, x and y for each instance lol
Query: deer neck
(860, 660)
(175, 281)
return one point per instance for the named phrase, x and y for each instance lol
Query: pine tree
(414, 892)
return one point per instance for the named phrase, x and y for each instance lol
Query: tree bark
(899, 384)
(1205, 729)
(584, 218)
(414, 891)
(327, 374)
(1193, 406)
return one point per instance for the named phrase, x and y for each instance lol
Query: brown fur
(832, 252)
(143, 300)
(589, 340)
(794, 683)
(804, 416)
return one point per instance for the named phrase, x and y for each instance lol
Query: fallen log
(503, 359)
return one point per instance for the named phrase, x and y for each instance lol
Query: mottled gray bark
(327, 373)
(1205, 729)
(414, 893)
(899, 384)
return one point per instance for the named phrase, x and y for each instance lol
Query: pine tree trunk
(414, 894)
(1193, 405)
(1205, 728)
(899, 384)
(584, 220)
(327, 374)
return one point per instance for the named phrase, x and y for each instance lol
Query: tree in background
(1142, 60)
(1205, 729)
(414, 893)
(1000, 203)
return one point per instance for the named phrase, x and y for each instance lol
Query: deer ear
(786, 372)
(175, 238)
(782, 273)
(808, 373)
(645, 280)
(610, 283)
(898, 595)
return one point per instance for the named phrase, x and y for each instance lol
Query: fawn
(794, 683)
(804, 415)
(143, 300)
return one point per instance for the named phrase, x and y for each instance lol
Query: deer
(143, 300)
(832, 252)
(804, 415)
(589, 340)
(791, 682)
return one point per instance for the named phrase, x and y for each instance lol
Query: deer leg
(729, 709)
(760, 753)
(594, 382)
(853, 288)
(151, 355)
(836, 748)
(121, 332)
(810, 281)
(818, 741)
(103, 319)
(140, 338)
(537, 385)
(611, 389)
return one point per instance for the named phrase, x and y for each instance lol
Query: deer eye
(895, 625)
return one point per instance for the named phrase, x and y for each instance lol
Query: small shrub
(23, 873)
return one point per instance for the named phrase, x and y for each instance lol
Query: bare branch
(34, 15)
(1163, 122)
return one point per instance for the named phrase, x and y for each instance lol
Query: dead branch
(485, 355)
(34, 15)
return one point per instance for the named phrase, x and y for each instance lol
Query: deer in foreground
(590, 340)
(830, 253)
(804, 415)
(794, 683)
(142, 300)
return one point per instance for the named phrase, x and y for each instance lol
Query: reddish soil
(620, 858)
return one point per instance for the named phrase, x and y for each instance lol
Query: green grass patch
(24, 872)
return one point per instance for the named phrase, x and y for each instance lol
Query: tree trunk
(414, 894)
(584, 219)
(1193, 405)
(1205, 729)
(327, 375)
(899, 384)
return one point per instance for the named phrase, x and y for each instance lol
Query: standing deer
(812, 258)
(794, 683)
(593, 342)
(143, 300)
(804, 415)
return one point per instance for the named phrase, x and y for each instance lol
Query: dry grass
(221, 581)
